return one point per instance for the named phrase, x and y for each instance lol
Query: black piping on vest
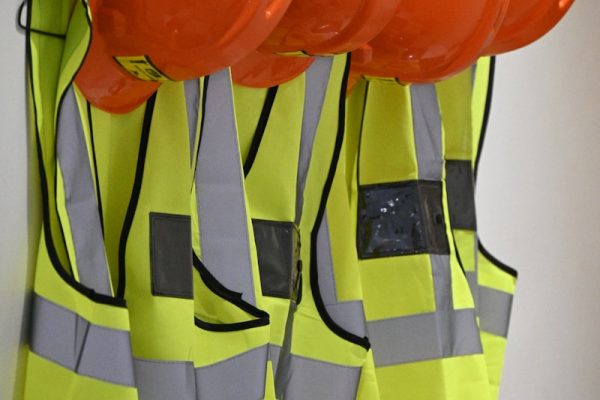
(235, 298)
(261, 126)
(50, 247)
(496, 262)
(486, 112)
(135, 193)
(314, 273)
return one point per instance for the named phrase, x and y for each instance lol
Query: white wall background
(19, 203)
(538, 201)
(538, 198)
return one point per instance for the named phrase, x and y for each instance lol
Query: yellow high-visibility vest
(420, 312)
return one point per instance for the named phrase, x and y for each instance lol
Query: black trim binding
(135, 192)
(204, 91)
(93, 144)
(27, 28)
(314, 272)
(496, 262)
(235, 298)
(50, 247)
(486, 113)
(263, 120)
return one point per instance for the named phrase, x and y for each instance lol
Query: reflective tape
(350, 314)
(314, 379)
(237, 378)
(423, 337)
(495, 309)
(317, 81)
(192, 103)
(81, 202)
(65, 338)
(222, 214)
(427, 127)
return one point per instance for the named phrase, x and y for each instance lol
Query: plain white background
(537, 196)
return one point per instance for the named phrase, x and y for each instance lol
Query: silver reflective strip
(160, 380)
(221, 203)
(80, 198)
(65, 338)
(273, 354)
(348, 315)
(317, 81)
(424, 337)
(315, 379)
(237, 378)
(192, 103)
(474, 286)
(443, 333)
(494, 310)
(427, 128)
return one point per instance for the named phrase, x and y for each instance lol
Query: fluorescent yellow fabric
(380, 127)
(52, 62)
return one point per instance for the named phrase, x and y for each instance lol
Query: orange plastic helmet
(430, 40)
(136, 44)
(313, 27)
(525, 22)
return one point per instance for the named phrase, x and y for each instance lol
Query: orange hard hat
(266, 70)
(430, 40)
(136, 44)
(313, 27)
(525, 22)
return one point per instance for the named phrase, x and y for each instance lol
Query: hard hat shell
(329, 26)
(313, 27)
(266, 70)
(525, 22)
(430, 40)
(138, 43)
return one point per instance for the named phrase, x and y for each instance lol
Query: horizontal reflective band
(315, 379)
(239, 378)
(63, 337)
(401, 218)
(461, 194)
(277, 247)
(494, 310)
(424, 337)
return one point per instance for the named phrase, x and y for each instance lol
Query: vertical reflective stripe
(424, 337)
(474, 286)
(321, 380)
(427, 128)
(221, 203)
(317, 81)
(349, 315)
(80, 198)
(495, 308)
(192, 103)
(237, 378)
(67, 339)
(273, 354)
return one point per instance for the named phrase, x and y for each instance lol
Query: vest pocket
(171, 255)
(401, 218)
(277, 248)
